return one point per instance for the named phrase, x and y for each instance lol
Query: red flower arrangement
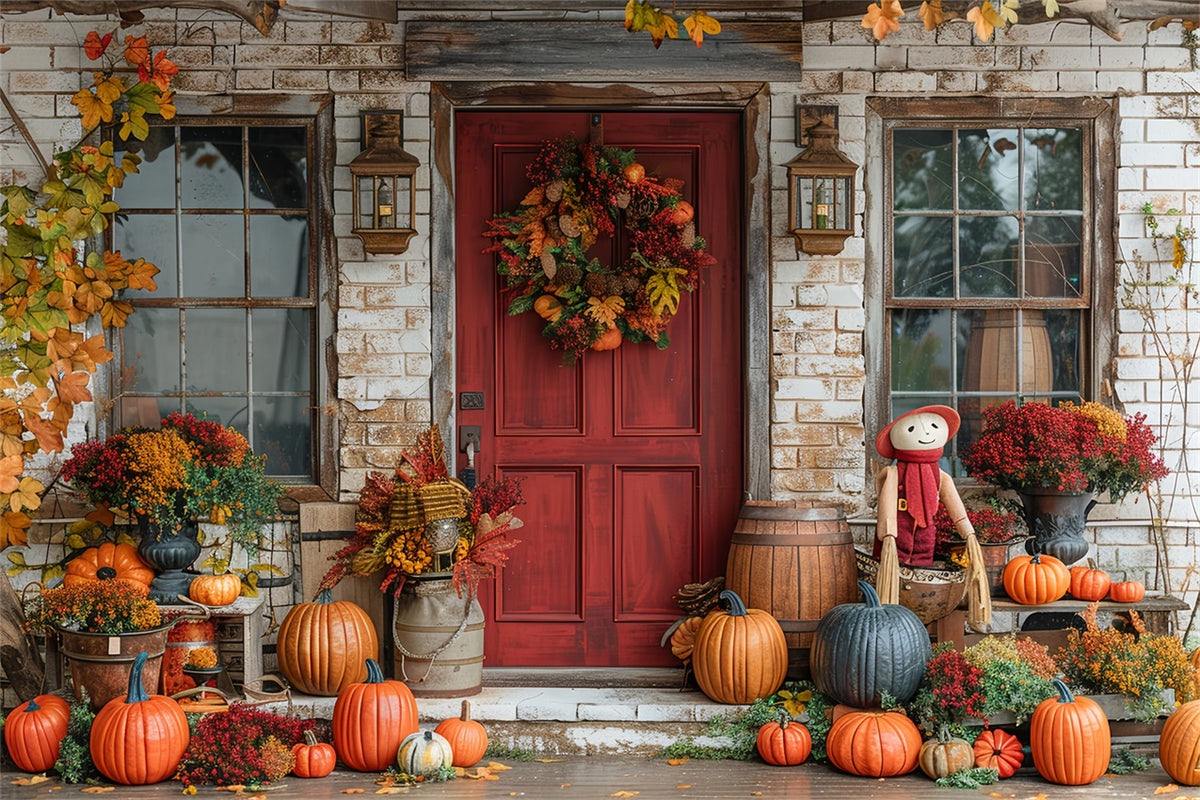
(1067, 448)
(244, 746)
(581, 192)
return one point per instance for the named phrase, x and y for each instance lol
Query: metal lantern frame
(383, 174)
(821, 194)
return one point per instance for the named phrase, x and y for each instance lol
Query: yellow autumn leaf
(32, 780)
(496, 766)
(932, 14)
(27, 496)
(99, 789)
(1178, 253)
(607, 310)
(624, 793)
(1170, 787)
(1008, 11)
(986, 20)
(1051, 7)
(698, 24)
(353, 791)
(675, 762)
(883, 18)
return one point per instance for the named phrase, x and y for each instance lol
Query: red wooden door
(631, 460)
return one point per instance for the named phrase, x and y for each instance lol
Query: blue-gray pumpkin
(861, 650)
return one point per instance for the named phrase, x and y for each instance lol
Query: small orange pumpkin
(1127, 592)
(1179, 744)
(609, 340)
(876, 744)
(783, 743)
(999, 750)
(216, 590)
(34, 731)
(634, 172)
(1089, 582)
(313, 759)
(1036, 580)
(468, 739)
(110, 561)
(682, 213)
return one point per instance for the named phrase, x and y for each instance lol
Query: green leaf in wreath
(520, 305)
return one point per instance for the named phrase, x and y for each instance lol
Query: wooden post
(19, 656)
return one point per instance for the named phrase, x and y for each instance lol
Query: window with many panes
(225, 210)
(989, 260)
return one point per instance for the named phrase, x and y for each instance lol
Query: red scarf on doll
(920, 477)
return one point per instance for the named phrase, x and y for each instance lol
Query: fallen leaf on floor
(624, 793)
(675, 762)
(496, 766)
(1170, 787)
(353, 791)
(32, 780)
(565, 786)
(99, 789)
(391, 790)
(684, 786)
(236, 788)
(547, 760)
(756, 794)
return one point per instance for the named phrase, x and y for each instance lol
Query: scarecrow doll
(909, 493)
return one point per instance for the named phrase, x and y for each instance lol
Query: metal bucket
(101, 663)
(439, 638)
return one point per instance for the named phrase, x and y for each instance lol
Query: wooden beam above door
(597, 51)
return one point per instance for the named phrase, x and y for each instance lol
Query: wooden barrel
(439, 638)
(794, 558)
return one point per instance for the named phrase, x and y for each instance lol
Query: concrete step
(577, 712)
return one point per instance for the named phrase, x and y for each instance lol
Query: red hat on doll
(883, 442)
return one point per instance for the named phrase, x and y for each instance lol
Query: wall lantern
(821, 194)
(384, 189)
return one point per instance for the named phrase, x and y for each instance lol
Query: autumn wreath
(580, 192)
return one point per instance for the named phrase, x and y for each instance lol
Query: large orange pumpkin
(371, 719)
(140, 738)
(323, 646)
(1179, 744)
(1069, 738)
(1036, 580)
(876, 744)
(468, 739)
(34, 731)
(741, 654)
(110, 561)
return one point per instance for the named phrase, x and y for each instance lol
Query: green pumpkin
(861, 650)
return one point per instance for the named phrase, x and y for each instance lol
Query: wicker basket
(929, 592)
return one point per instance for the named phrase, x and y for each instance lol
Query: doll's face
(924, 431)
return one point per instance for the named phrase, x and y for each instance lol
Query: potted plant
(997, 528)
(1058, 459)
(103, 625)
(164, 480)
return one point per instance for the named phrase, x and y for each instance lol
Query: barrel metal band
(791, 539)
(787, 513)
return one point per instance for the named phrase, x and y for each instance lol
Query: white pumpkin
(424, 753)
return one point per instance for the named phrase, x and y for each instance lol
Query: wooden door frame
(752, 99)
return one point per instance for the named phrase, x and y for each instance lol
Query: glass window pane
(145, 412)
(988, 171)
(1065, 329)
(923, 259)
(154, 186)
(283, 432)
(152, 237)
(921, 350)
(232, 411)
(987, 256)
(923, 170)
(150, 351)
(211, 168)
(278, 168)
(215, 348)
(279, 256)
(1053, 256)
(1053, 169)
(281, 349)
(214, 255)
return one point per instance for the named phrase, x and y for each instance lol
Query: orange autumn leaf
(698, 24)
(986, 20)
(115, 314)
(137, 50)
(496, 766)
(624, 793)
(11, 468)
(48, 435)
(675, 762)
(164, 68)
(72, 387)
(13, 527)
(932, 14)
(94, 44)
(607, 310)
(103, 515)
(1170, 787)
(535, 197)
(883, 18)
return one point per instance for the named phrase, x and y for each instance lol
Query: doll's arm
(954, 506)
(887, 489)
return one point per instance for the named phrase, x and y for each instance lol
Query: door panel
(631, 460)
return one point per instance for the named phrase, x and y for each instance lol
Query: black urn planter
(170, 553)
(1056, 522)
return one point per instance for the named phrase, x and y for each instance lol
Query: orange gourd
(1127, 592)
(1089, 583)
(313, 759)
(1179, 744)
(110, 561)
(323, 646)
(999, 750)
(609, 340)
(468, 739)
(1036, 580)
(371, 719)
(216, 590)
(548, 307)
(741, 654)
(683, 639)
(634, 172)
(34, 731)
(876, 744)
(1069, 738)
(682, 213)
(140, 738)
(783, 743)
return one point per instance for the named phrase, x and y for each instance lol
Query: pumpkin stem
(310, 738)
(33, 706)
(466, 711)
(1064, 692)
(784, 718)
(137, 692)
(106, 574)
(374, 673)
(737, 608)
(324, 597)
(870, 596)
(943, 734)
